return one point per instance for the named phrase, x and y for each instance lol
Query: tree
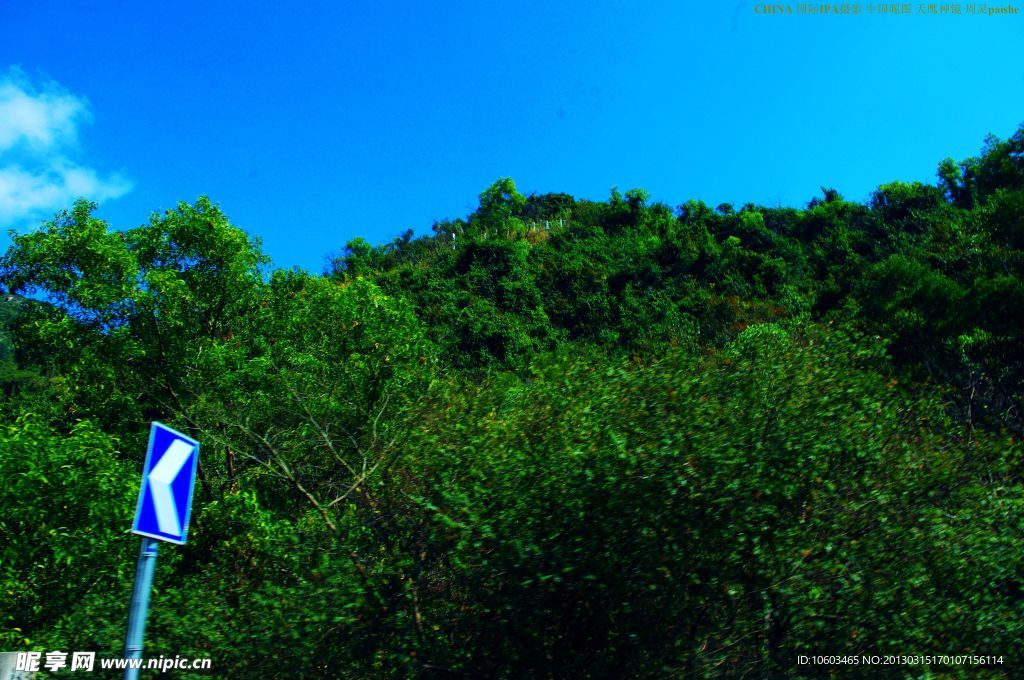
(129, 313)
(501, 205)
(67, 502)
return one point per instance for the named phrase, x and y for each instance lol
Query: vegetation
(556, 438)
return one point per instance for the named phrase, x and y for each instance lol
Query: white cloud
(38, 137)
(25, 194)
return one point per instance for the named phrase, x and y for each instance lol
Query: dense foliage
(556, 438)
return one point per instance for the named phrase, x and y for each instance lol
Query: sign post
(161, 514)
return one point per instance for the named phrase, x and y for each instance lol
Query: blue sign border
(155, 428)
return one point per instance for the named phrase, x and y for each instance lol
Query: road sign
(165, 498)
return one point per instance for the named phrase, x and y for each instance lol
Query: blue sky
(316, 123)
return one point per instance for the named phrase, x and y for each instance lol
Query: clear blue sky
(311, 123)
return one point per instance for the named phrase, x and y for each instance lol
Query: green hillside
(555, 438)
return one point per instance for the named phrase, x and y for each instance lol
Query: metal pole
(140, 604)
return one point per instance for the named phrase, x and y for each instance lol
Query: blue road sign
(165, 499)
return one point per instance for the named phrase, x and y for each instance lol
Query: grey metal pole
(140, 604)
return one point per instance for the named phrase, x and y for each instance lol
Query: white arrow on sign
(160, 479)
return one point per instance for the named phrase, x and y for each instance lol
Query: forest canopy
(553, 438)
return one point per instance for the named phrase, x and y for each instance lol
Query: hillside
(554, 438)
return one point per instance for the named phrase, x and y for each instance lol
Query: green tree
(130, 313)
(501, 205)
(67, 502)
